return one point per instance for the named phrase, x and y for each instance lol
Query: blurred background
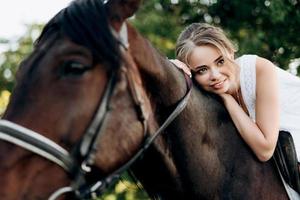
(268, 28)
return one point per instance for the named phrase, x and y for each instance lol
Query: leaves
(15, 53)
(266, 28)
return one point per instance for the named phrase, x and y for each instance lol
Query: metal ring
(60, 192)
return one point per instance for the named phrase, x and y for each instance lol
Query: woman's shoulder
(246, 61)
(260, 64)
(264, 66)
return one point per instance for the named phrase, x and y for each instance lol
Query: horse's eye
(73, 68)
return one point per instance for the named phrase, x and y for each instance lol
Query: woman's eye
(221, 62)
(201, 70)
(73, 68)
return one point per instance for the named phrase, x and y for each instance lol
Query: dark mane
(85, 23)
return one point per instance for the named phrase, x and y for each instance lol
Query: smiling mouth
(218, 85)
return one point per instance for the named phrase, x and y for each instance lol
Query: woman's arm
(261, 135)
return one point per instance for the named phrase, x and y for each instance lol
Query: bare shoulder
(266, 82)
(264, 67)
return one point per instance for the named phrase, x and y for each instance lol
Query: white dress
(289, 96)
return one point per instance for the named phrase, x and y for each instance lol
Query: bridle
(79, 168)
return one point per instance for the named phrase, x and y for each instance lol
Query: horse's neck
(158, 174)
(161, 78)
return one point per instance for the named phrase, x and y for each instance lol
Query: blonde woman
(261, 98)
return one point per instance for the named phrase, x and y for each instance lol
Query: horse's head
(71, 90)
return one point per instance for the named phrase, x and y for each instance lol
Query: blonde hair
(198, 34)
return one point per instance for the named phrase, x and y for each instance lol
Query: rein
(78, 168)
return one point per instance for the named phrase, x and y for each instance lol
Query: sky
(14, 14)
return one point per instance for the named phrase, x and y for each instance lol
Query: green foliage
(125, 189)
(266, 28)
(160, 27)
(263, 27)
(16, 52)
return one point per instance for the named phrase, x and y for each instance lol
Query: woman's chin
(219, 92)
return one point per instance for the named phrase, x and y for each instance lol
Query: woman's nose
(215, 74)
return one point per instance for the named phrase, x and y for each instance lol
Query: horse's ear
(120, 10)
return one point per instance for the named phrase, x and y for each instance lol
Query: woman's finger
(182, 66)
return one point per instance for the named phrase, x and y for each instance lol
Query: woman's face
(212, 70)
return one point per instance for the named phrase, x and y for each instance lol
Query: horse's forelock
(85, 22)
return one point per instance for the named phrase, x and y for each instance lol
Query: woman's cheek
(201, 81)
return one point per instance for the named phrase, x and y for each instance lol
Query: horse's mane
(85, 23)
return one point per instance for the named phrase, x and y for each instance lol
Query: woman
(260, 97)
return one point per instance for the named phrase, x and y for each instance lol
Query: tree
(11, 58)
(267, 28)
(16, 52)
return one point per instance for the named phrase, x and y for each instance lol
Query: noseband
(79, 168)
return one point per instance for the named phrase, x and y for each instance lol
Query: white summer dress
(289, 96)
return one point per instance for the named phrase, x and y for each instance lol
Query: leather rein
(79, 168)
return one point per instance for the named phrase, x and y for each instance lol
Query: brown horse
(102, 98)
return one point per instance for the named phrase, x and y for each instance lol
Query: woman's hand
(227, 98)
(182, 66)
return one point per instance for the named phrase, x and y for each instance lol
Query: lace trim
(247, 65)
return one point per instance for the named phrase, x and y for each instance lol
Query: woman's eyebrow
(215, 61)
(200, 66)
(219, 58)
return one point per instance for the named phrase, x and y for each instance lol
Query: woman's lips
(218, 85)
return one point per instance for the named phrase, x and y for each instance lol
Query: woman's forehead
(203, 55)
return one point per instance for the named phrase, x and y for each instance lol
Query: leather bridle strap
(48, 149)
(99, 187)
(88, 144)
(36, 143)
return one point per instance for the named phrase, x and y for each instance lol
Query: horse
(87, 106)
